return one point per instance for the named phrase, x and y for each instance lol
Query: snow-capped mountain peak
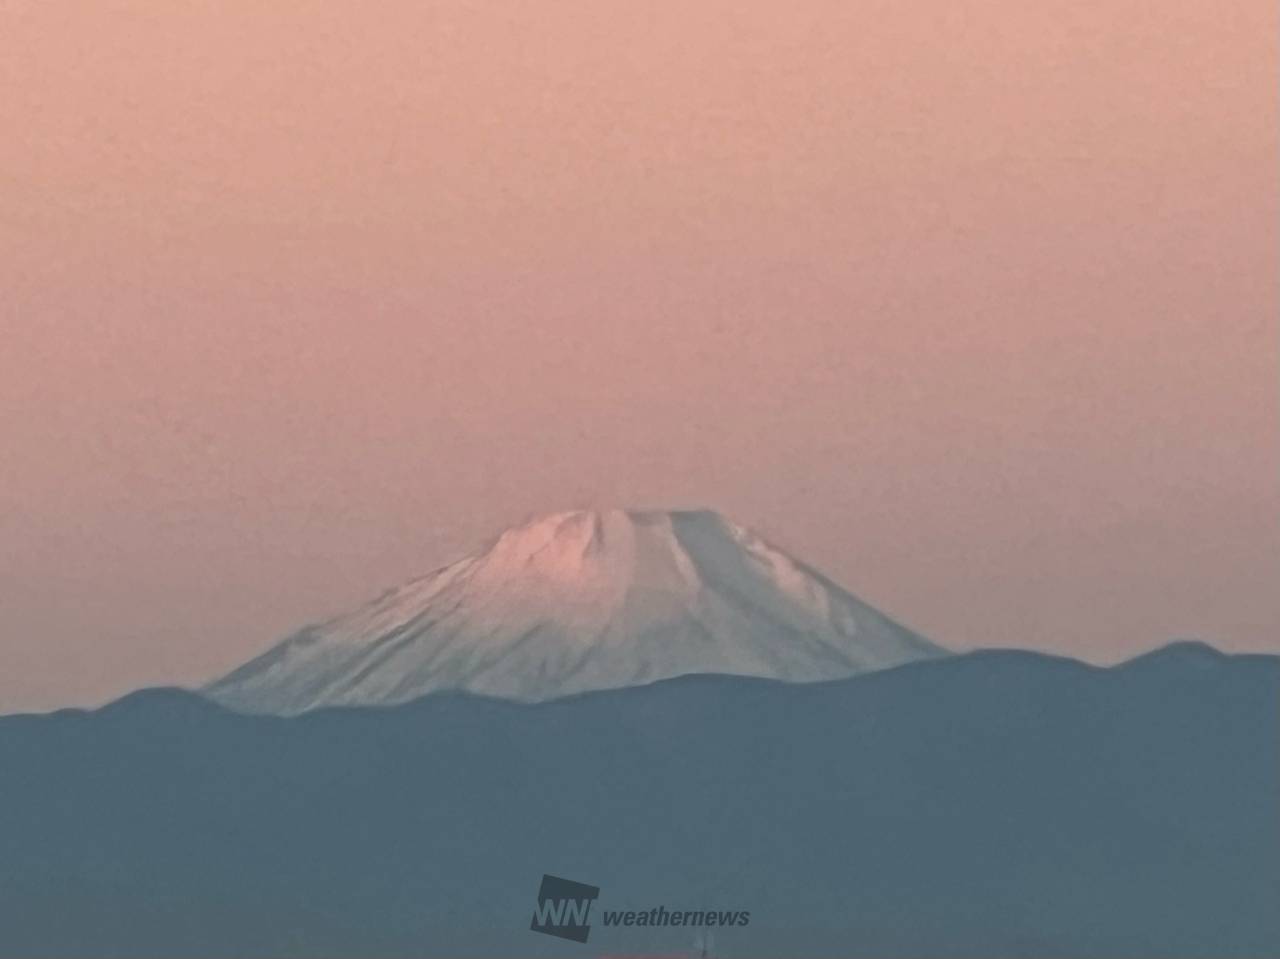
(576, 601)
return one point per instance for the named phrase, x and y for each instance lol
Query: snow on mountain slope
(580, 601)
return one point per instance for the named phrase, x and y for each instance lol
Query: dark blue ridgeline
(996, 804)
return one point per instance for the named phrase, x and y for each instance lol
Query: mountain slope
(989, 806)
(580, 601)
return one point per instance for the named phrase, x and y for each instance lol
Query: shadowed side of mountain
(986, 805)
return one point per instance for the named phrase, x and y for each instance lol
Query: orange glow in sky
(972, 306)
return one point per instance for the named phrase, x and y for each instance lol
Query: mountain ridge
(197, 698)
(989, 804)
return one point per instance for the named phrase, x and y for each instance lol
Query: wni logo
(564, 908)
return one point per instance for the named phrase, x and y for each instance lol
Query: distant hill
(989, 805)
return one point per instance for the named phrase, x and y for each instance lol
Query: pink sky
(973, 306)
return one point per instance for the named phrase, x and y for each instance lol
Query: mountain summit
(581, 601)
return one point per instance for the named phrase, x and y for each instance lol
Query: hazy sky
(972, 305)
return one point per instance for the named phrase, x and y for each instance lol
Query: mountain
(990, 805)
(582, 601)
